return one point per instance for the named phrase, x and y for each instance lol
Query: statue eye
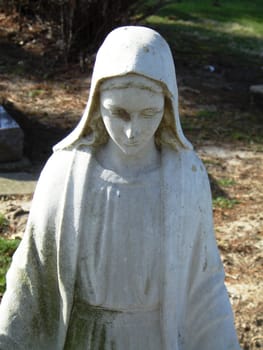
(149, 112)
(120, 113)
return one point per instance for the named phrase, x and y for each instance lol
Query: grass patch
(7, 249)
(35, 93)
(232, 27)
(226, 182)
(204, 113)
(212, 162)
(249, 137)
(244, 11)
(240, 136)
(3, 223)
(224, 203)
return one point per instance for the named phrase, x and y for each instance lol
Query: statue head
(131, 107)
(135, 58)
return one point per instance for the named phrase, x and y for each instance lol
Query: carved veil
(136, 50)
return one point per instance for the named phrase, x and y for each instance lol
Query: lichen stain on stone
(205, 264)
(102, 345)
(205, 259)
(194, 169)
(88, 328)
(146, 49)
(112, 346)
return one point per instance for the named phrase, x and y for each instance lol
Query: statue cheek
(115, 130)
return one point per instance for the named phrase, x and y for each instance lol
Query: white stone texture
(119, 251)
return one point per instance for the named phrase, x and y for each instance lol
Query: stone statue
(119, 251)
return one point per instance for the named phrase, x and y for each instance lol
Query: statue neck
(112, 157)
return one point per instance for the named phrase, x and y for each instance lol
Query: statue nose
(132, 129)
(130, 133)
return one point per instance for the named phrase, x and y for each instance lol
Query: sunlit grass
(235, 26)
(7, 249)
(226, 182)
(3, 222)
(224, 11)
(224, 203)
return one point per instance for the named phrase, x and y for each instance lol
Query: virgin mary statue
(119, 251)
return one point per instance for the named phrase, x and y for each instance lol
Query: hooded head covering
(132, 50)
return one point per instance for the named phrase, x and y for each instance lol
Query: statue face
(131, 116)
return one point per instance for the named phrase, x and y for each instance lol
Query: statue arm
(31, 312)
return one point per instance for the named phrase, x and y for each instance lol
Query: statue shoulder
(186, 164)
(195, 169)
(187, 159)
(193, 163)
(58, 170)
(63, 159)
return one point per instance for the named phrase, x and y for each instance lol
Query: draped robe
(195, 313)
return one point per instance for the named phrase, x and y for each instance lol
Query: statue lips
(132, 143)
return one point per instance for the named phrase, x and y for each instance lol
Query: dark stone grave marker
(11, 138)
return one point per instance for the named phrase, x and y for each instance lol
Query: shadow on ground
(40, 137)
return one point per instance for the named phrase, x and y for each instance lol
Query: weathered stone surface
(119, 250)
(11, 138)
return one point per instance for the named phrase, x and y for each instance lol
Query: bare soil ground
(218, 116)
